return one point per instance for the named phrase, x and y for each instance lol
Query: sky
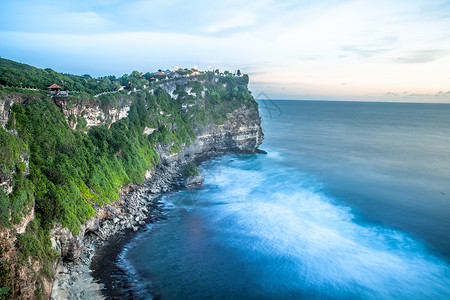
(396, 50)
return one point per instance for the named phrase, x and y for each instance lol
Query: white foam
(326, 248)
(274, 155)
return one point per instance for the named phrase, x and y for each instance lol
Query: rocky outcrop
(7, 100)
(242, 133)
(24, 279)
(193, 181)
(92, 111)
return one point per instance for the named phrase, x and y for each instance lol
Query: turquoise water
(351, 203)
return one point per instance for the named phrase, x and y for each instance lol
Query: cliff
(240, 134)
(87, 112)
(87, 150)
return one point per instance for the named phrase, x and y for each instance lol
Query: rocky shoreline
(117, 222)
(74, 279)
(109, 268)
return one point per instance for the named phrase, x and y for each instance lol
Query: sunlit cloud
(237, 21)
(422, 56)
(292, 49)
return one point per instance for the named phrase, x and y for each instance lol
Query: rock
(194, 181)
(259, 151)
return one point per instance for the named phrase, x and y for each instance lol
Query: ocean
(352, 201)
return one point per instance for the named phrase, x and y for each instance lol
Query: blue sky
(334, 50)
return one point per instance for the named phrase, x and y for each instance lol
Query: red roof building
(54, 87)
(55, 91)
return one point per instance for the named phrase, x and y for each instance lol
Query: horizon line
(358, 101)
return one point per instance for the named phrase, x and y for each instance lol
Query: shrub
(190, 170)
(4, 209)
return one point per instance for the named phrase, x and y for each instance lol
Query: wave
(307, 241)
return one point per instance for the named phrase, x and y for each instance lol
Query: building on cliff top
(55, 91)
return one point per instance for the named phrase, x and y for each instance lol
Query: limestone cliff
(242, 133)
(92, 111)
(239, 132)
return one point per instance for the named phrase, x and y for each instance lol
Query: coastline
(96, 274)
(138, 204)
(165, 133)
(75, 279)
(108, 266)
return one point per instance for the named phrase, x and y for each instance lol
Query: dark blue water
(352, 202)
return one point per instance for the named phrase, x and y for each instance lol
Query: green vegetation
(4, 209)
(70, 171)
(12, 168)
(4, 89)
(15, 74)
(219, 100)
(190, 170)
(36, 243)
(10, 149)
(4, 291)
(5, 281)
(15, 77)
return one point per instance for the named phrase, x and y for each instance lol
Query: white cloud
(243, 19)
(304, 48)
(81, 22)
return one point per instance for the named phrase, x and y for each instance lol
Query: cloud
(85, 22)
(17, 16)
(371, 46)
(423, 56)
(365, 51)
(406, 94)
(375, 47)
(193, 17)
(243, 19)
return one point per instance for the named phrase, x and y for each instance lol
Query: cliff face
(25, 278)
(6, 102)
(91, 111)
(240, 133)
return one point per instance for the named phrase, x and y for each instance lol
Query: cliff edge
(71, 166)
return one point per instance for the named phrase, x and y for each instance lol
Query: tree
(238, 72)
(245, 79)
(136, 74)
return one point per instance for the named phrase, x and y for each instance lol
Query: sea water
(351, 202)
